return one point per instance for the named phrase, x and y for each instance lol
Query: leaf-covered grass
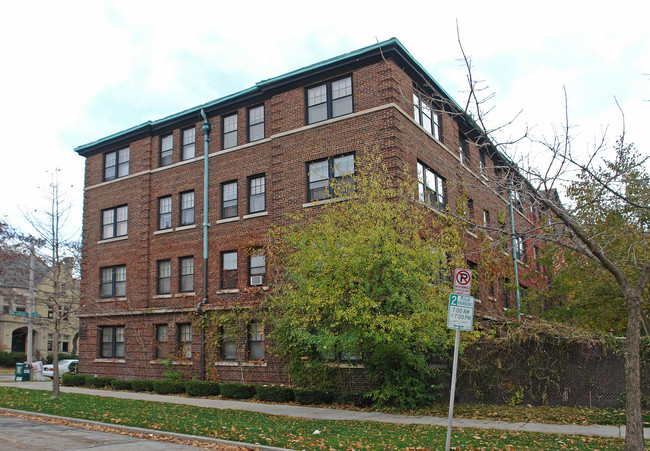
(294, 433)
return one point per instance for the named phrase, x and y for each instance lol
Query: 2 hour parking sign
(460, 315)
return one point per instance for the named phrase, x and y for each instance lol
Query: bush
(198, 388)
(168, 387)
(98, 382)
(10, 359)
(73, 380)
(118, 384)
(62, 356)
(357, 399)
(237, 391)
(274, 393)
(140, 385)
(314, 396)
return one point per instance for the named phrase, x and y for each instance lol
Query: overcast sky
(76, 71)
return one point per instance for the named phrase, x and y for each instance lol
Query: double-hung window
(116, 164)
(166, 146)
(256, 123)
(186, 265)
(187, 208)
(431, 187)
(229, 200)
(229, 269)
(329, 100)
(425, 115)
(229, 343)
(189, 144)
(185, 340)
(520, 248)
(114, 222)
(338, 169)
(256, 341)
(229, 137)
(113, 281)
(257, 267)
(112, 342)
(256, 194)
(482, 164)
(161, 350)
(164, 277)
(463, 149)
(165, 212)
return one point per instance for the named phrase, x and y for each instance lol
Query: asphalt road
(22, 434)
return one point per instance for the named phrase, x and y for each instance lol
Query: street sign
(463, 281)
(460, 315)
(16, 313)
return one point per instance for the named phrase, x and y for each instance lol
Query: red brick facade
(382, 121)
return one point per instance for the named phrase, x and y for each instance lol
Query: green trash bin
(20, 368)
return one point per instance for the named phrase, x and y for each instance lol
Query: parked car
(65, 366)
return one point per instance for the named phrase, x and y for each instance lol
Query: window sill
(109, 361)
(185, 294)
(111, 300)
(162, 296)
(161, 232)
(331, 200)
(164, 362)
(226, 363)
(224, 221)
(112, 240)
(256, 215)
(260, 364)
(228, 291)
(185, 227)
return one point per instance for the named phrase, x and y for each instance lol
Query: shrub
(357, 399)
(237, 391)
(313, 396)
(11, 358)
(73, 380)
(118, 384)
(98, 382)
(198, 388)
(274, 393)
(62, 356)
(141, 385)
(168, 387)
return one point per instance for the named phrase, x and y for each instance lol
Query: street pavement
(339, 414)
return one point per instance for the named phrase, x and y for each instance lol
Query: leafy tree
(364, 279)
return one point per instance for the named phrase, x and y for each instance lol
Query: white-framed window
(164, 212)
(166, 146)
(257, 268)
(115, 222)
(229, 135)
(116, 164)
(113, 281)
(256, 193)
(321, 172)
(256, 341)
(189, 144)
(256, 123)
(163, 285)
(185, 340)
(229, 199)
(329, 100)
(186, 266)
(187, 208)
(431, 187)
(426, 115)
(463, 149)
(112, 342)
(161, 350)
(229, 269)
(229, 343)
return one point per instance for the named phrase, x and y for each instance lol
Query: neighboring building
(272, 150)
(16, 309)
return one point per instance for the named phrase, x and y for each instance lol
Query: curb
(150, 432)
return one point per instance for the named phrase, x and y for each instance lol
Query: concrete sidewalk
(338, 414)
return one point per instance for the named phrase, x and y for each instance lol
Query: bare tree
(595, 205)
(59, 251)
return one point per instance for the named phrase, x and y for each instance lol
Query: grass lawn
(287, 432)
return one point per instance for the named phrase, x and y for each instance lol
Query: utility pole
(30, 307)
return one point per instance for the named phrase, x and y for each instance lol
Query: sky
(77, 71)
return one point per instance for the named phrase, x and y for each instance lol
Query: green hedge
(274, 393)
(99, 382)
(118, 384)
(168, 387)
(198, 388)
(74, 380)
(357, 399)
(237, 391)
(314, 396)
(142, 385)
(11, 358)
(62, 356)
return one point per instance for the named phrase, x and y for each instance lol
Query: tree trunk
(633, 414)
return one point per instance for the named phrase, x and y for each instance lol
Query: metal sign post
(460, 316)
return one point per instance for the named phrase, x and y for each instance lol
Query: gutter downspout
(514, 248)
(205, 128)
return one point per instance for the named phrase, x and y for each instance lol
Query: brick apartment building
(271, 151)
